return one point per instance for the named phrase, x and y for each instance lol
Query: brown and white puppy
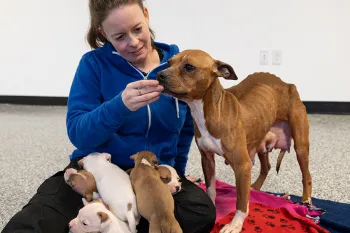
(233, 122)
(170, 177)
(95, 217)
(154, 201)
(114, 187)
(82, 182)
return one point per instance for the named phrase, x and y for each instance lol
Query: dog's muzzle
(161, 77)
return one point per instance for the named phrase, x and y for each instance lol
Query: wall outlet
(264, 57)
(276, 57)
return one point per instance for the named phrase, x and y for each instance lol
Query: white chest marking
(206, 142)
(144, 161)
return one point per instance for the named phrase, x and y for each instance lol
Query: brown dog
(154, 201)
(82, 182)
(233, 122)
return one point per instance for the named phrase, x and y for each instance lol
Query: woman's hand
(140, 93)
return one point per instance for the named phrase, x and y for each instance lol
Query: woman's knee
(194, 209)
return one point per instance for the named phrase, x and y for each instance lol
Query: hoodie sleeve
(90, 122)
(184, 144)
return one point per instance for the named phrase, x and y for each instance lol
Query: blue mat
(336, 219)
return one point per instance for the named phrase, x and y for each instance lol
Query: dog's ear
(133, 157)
(222, 69)
(108, 157)
(104, 219)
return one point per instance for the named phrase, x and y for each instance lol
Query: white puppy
(95, 217)
(170, 177)
(114, 186)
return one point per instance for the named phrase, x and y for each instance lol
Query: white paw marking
(235, 226)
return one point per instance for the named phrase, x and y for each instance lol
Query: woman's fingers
(143, 83)
(140, 93)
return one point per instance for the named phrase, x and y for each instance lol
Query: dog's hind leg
(154, 225)
(264, 170)
(300, 132)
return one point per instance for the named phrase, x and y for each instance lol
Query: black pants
(55, 204)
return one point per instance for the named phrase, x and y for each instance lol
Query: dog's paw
(231, 228)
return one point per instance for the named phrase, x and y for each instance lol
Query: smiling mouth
(137, 51)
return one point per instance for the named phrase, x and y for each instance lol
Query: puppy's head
(191, 73)
(170, 177)
(93, 217)
(82, 182)
(94, 157)
(145, 157)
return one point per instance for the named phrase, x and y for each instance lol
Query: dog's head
(82, 182)
(93, 158)
(170, 177)
(191, 72)
(145, 157)
(93, 217)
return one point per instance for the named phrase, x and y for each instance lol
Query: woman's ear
(101, 32)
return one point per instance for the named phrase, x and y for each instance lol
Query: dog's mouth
(174, 94)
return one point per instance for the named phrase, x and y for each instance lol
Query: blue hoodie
(97, 119)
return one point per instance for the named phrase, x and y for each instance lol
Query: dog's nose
(177, 188)
(161, 76)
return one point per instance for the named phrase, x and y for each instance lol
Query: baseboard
(327, 107)
(312, 107)
(34, 100)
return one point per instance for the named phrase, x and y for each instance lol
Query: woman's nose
(133, 41)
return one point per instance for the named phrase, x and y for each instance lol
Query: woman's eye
(119, 38)
(189, 67)
(138, 30)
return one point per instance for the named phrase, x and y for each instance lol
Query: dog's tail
(279, 160)
(131, 218)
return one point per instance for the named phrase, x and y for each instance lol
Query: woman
(115, 106)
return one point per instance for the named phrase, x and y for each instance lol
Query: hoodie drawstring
(177, 107)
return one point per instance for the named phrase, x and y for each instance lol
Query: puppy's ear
(81, 163)
(104, 219)
(108, 157)
(134, 157)
(222, 69)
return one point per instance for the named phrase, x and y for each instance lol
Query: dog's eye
(165, 179)
(189, 67)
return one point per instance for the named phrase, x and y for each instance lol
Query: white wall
(43, 40)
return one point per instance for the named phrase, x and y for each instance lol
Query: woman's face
(127, 29)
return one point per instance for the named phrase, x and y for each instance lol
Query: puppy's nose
(177, 188)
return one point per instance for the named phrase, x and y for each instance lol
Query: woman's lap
(55, 204)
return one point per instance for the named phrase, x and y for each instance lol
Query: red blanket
(267, 213)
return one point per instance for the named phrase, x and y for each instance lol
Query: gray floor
(34, 145)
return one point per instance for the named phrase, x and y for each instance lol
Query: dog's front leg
(208, 166)
(240, 162)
